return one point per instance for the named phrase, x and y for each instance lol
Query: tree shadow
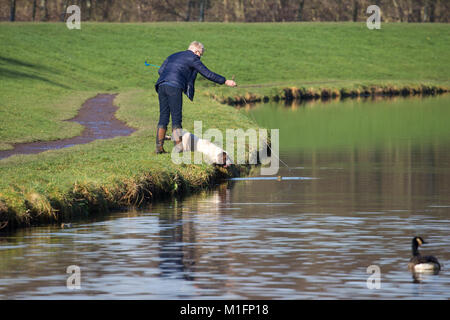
(4, 60)
(15, 62)
(5, 73)
(14, 74)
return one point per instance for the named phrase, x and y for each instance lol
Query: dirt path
(97, 115)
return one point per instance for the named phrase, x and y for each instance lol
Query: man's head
(197, 48)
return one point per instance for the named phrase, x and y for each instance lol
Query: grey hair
(195, 45)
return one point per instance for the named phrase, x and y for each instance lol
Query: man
(177, 75)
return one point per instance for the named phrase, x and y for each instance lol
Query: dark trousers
(170, 103)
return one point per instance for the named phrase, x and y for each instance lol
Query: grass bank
(47, 71)
(109, 174)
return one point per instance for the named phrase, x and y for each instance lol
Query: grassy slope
(40, 63)
(46, 71)
(115, 172)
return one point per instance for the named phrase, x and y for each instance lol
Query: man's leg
(175, 96)
(164, 116)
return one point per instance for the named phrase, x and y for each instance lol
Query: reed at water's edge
(306, 94)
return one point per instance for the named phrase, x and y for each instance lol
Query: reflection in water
(260, 239)
(171, 234)
(253, 239)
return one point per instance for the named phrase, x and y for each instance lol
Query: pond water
(365, 177)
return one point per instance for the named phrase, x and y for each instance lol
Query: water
(312, 234)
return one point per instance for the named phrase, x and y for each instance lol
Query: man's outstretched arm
(208, 74)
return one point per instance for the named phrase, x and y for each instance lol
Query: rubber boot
(160, 137)
(177, 136)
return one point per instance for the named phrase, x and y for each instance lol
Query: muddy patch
(97, 115)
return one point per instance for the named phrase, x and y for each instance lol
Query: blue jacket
(181, 69)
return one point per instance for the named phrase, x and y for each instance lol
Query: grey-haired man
(177, 75)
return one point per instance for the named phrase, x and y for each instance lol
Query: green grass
(47, 71)
(110, 173)
(42, 62)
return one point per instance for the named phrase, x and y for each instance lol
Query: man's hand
(230, 83)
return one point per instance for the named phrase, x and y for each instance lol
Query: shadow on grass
(4, 60)
(6, 73)
(14, 62)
